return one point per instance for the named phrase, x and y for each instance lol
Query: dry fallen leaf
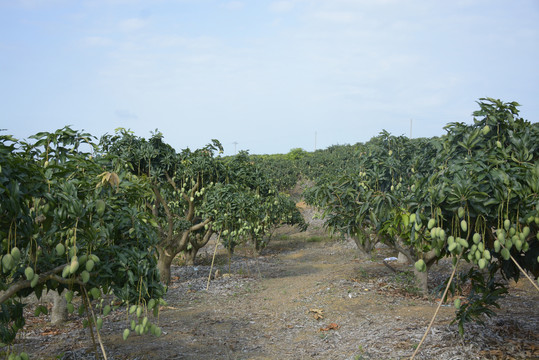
(317, 313)
(331, 326)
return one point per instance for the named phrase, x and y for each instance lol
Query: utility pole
(235, 143)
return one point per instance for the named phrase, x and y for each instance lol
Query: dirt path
(266, 308)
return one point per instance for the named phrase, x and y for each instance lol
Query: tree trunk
(59, 309)
(364, 246)
(163, 264)
(422, 281)
(189, 256)
(402, 259)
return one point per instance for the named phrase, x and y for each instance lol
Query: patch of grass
(407, 282)
(363, 274)
(315, 239)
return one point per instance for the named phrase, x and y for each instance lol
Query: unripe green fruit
(526, 231)
(482, 263)
(99, 323)
(139, 311)
(29, 273)
(506, 224)
(85, 276)
(60, 249)
(498, 144)
(65, 272)
(34, 281)
(505, 254)
(464, 225)
(132, 309)
(90, 265)
(497, 246)
(485, 130)
(457, 303)
(452, 246)
(158, 332)
(100, 207)
(74, 265)
(106, 310)
(420, 265)
(431, 223)
(126, 334)
(151, 304)
(486, 255)
(461, 212)
(8, 262)
(16, 253)
(481, 247)
(476, 238)
(441, 234)
(96, 293)
(69, 296)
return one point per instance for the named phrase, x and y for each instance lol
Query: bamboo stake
(212, 260)
(437, 310)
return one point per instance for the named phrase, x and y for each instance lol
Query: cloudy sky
(267, 75)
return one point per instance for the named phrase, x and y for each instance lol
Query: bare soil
(304, 297)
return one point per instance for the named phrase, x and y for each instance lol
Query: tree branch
(169, 180)
(49, 275)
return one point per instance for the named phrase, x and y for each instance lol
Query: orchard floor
(303, 298)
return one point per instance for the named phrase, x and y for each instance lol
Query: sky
(259, 75)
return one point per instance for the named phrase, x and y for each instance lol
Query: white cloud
(281, 6)
(97, 41)
(234, 5)
(132, 24)
(335, 16)
(33, 4)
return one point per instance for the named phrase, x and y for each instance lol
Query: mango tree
(369, 200)
(178, 182)
(255, 208)
(70, 220)
(471, 194)
(489, 173)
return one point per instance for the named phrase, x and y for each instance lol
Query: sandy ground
(305, 297)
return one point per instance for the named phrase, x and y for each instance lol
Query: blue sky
(265, 74)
